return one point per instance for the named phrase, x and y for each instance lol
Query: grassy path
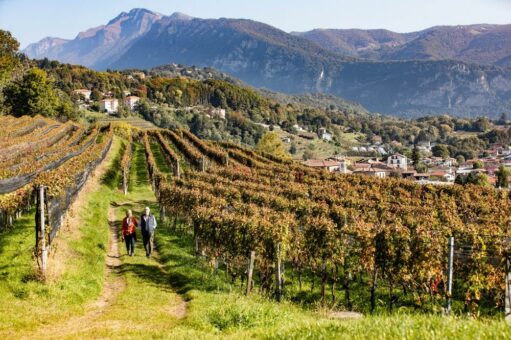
(136, 297)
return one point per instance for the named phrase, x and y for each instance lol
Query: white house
(327, 136)
(398, 161)
(323, 134)
(110, 105)
(217, 112)
(425, 146)
(131, 102)
(372, 172)
(381, 150)
(140, 75)
(84, 93)
(330, 165)
(298, 128)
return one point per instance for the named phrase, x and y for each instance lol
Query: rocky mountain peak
(178, 16)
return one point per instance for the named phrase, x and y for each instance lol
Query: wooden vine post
(507, 302)
(125, 181)
(323, 280)
(450, 275)
(278, 275)
(177, 170)
(195, 240)
(41, 242)
(203, 164)
(373, 288)
(162, 214)
(250, 271)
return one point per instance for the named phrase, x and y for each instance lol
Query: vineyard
(44, 164)
(275, 224)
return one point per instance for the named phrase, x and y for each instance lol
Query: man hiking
(128, 232)
(147, 225)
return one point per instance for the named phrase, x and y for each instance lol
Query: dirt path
(114, 285)
(123, 275)
(114, 282)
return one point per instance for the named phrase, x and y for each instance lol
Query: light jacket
(148, 224)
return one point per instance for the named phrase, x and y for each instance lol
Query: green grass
(159, 157)
(320, 148)
(134, 121)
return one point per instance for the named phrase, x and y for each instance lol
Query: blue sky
(31, 20)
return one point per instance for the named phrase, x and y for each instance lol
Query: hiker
(147, 225)
(129, 233)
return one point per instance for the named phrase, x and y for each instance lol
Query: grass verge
(28, 303)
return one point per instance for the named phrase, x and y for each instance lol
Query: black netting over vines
(57, 206)
(14, 183)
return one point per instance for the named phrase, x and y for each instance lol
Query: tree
(32, 95)
(481, 124)
(502, 177)
(293, 149)
(416, 155)
(473, 178)
(308, 154)
(8, 55)
(460, 159)
(272, 144)
(441, 150)
(66, 108)
(477, 179)
(421, 167)
(9, 61)
(96, 95)
(478, 165)
(503, 118)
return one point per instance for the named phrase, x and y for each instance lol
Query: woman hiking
(129, 234)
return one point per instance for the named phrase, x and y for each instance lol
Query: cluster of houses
(441, 171)
(108, 104)
(384, 150)
(396, 165)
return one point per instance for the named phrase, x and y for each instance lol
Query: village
(108, 104)
(432, 170)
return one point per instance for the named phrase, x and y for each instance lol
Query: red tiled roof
(438, 173)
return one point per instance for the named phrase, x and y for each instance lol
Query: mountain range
(480, 44)
(456, 70)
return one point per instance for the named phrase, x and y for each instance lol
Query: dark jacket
(147, 224)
